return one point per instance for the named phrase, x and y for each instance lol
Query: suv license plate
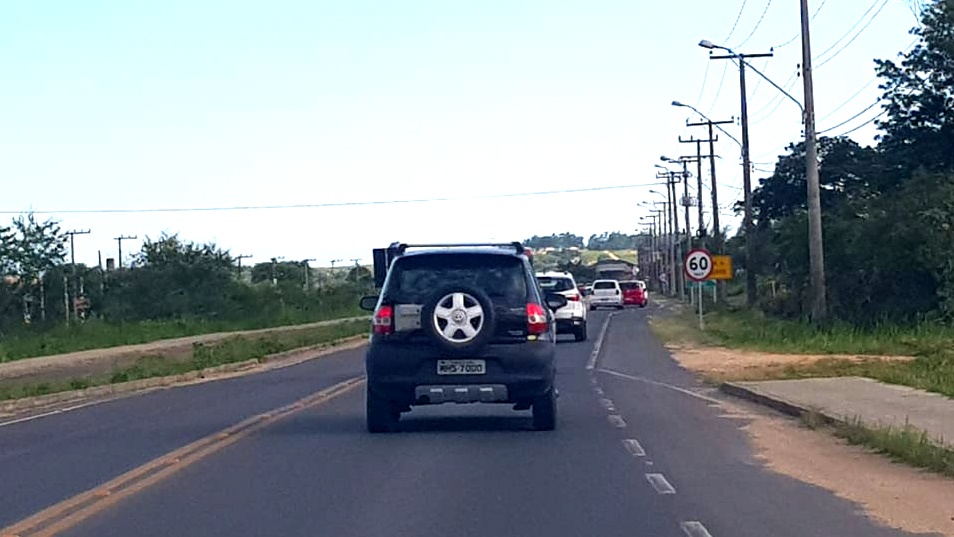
(461, 367)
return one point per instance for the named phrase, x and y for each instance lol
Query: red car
(634, 293)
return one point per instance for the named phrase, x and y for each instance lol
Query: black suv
(463, 323)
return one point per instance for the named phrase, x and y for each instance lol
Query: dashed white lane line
(52, 413)
(595, 354)
(607, 404)
(659, 482)
(694, 528)
(633, 447)
(661, 385)
(616, 421)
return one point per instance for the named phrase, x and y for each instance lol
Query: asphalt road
(639, 450)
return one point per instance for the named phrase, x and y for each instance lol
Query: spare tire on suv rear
(459, 319)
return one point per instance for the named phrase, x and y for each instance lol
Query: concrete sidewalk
(849, 398)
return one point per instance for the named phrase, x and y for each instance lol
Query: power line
(736, 23)
(796, 36)
(333, 204)
(852, 118)
(861, 31)
(725, 69)
(757, 24)
(870, 121)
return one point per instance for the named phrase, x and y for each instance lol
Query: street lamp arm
(779, 88)
(714, 124)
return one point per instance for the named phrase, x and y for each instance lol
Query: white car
(606, 293)
(570, 319)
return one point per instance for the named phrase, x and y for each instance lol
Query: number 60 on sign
(698, 264)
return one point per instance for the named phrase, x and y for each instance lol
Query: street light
(815, 243)
(751, 287)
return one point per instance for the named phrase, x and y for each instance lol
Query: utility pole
(356, 265)
(66, 292)
(239, 258)
(304, 263)
(716, 230)
(751, 286)
(816, 250)
(669, 176)
(120, 240)
(698, 160)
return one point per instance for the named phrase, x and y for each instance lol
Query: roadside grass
(97, 334)
(905, 444)
(203, 356)
(931, 346)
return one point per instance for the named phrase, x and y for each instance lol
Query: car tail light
(383, 321)
(575, 297)
(536, 319)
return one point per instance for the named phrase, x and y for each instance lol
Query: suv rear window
(415, 278)
(604, 285)
(553, 284)
(629, 286)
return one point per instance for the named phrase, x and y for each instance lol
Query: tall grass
(232, 350)
(98, 334)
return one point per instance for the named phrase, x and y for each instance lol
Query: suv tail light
(383, 321)
(575, 297)
(536, 319)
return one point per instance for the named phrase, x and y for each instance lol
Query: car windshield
(604, 285)
(555, 284)
(415, 278)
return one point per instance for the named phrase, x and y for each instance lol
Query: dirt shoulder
(102, 361)
(893, 494)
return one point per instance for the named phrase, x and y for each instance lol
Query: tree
(563, 240)
(919, 92)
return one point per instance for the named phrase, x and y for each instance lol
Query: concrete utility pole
(698, 160)
(716, 230)
(816, 249)
(66, 292)
(304, 263)
(120, 240)
(674, 236)
(751, 286)
(239, 258)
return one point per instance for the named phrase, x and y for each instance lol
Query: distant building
(616, 269)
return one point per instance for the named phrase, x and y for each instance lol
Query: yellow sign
(721, 267)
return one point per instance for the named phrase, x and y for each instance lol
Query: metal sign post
(698, 267)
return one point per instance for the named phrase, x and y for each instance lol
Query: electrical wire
(736, 23)
(725, 69)
(796, 36)
(852, 40)
(333, 204)
(852, 118)
(757, 25)
(870, 121)
(853, 97)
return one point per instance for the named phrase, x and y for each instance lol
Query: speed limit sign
(698, 264)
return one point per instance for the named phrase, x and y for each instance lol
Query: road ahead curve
(639, 450)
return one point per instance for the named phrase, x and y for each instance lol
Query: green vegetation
(228, 351)
(888, 209)
(172, 288)
(904, 444)
(932, 347)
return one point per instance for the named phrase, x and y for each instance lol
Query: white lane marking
(658, 481)
(616, 421)
(52, 412)
(595, 354)
(599, 391)
(694, 528)
(662, 385)
(606, 403)
(633, 447)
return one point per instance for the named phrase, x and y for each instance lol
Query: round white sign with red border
(698, 264)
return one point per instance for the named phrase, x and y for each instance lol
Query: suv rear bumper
(407, 375)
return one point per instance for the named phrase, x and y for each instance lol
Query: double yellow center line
(72, 511)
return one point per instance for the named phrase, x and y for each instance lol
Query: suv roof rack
(399, 248)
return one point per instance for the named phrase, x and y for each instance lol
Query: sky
(350, 110)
